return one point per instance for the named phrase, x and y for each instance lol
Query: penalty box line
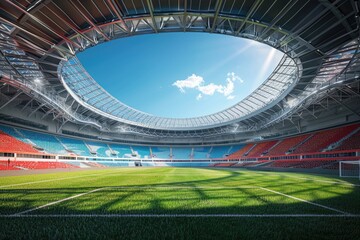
(59, 201)
(305, 201)
(123, 187)
(183, 187)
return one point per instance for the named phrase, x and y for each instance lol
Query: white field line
(88, 175)
(128, 187)
(183, 216)
(59, 201)
(180, 187)
(57, 179)
(305, 201)
(311, 179)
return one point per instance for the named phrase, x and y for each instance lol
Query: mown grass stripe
(305, 201)
(59, 201)
(183, 216)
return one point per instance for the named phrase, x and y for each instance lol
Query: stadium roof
(40, 38)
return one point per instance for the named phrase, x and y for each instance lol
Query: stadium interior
(304, 118)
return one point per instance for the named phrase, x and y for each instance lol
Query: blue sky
(180, 74)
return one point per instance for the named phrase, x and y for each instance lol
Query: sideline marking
(305, 201)
(59, 201)
(303, 178)
(183, 215)
(180, 187)
(56, 179)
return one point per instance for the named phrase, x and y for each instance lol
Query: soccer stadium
(99, 139)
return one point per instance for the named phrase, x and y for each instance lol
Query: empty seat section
(201, 153)
(227, 164)
(121, 151)
(4, 166)
(181, 153)
(41, 165)
(45, 141)
(261, 148)
(286, 144)
(322, 139)
(101, 149)
(75, 146)
(240, 153)
(141, 151)
(161, 152)
(219, 151)
(14, 133)
(11, 144)
(351, 143)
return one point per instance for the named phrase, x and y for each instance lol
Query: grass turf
(178, 191)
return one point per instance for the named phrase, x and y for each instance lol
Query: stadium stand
(320, 140)
(353, 142)
(240, 153)
(43, 141)
(4, 166)
(181, 152)
(271, 154)
(261, 148)
(141, 151)
(160, 152)
(11, 144)
(201, 153)
(219, 151)
(40, 165)
(286, 145)
(121, 151)
(75, 146)
(100, 149)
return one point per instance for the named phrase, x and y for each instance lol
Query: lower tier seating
(40, 165)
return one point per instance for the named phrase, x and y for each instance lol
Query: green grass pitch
(179, 203)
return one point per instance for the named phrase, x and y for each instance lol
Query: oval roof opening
(180, 75)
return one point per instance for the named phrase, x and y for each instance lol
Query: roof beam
(151, 11)
(89, 20)
(42, 23)
(218, 7)
(118, 13)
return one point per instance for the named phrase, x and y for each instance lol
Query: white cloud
(210, 89)
(197, 83)
(191, 82)
(230, 97)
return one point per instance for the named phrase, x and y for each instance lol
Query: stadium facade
(44, 86)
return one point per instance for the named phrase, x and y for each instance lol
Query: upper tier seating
(45, 141)
(321, 140)
(141, 151)
(121, 151)
(14, 132)
(220, 151)
(285, 145)
(11, 144)
(352, 142)
(76, 146)
(181, 152)
(261, 148)
(101, 149)
(240, 153)
(160, 152)
(201, 152)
